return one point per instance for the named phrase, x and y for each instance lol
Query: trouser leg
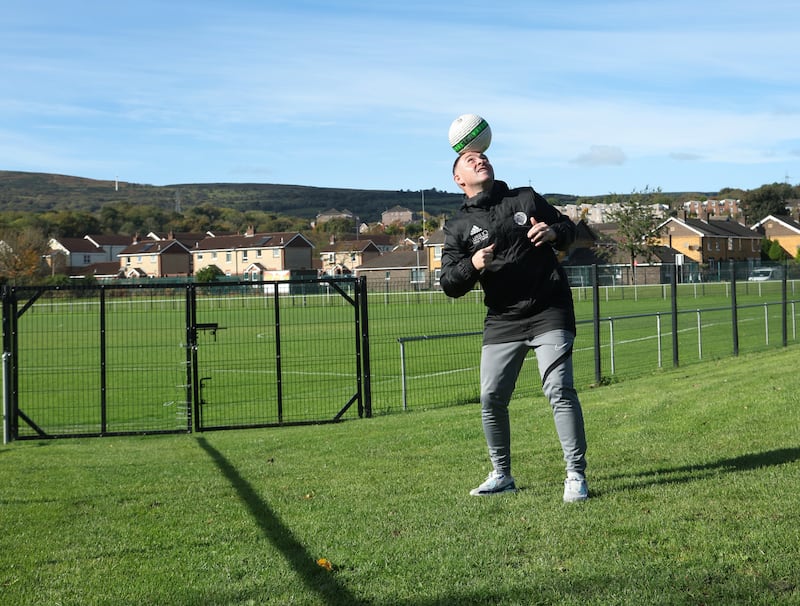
(500, 367)
(554, 358)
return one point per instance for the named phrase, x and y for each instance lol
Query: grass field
(146, 367)
(693, 474)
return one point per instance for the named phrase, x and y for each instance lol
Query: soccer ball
(470, 133)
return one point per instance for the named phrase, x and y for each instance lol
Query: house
(254, 256)
(107, 270)
(155, 259)
(112, 244)
(711, 241)
(713, 208)
(781, 229)
(401, 269)
(343, 256)
(67, 255)
(397, 214)
(434, 246)
(332, 213)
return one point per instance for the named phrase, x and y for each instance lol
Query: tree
(210, 273)
(637, 224)
(21, 255)
(766, 200)
(775, 252)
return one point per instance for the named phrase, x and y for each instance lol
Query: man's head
(473, 173)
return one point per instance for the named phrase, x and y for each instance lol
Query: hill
(41, 192)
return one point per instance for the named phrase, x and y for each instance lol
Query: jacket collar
(486, 199)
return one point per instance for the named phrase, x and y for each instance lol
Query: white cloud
(601, 155)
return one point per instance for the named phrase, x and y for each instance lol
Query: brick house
(710, 241)
(155, 259)
(781, 229)
(345, 255)
(254, 255)
(397, 214)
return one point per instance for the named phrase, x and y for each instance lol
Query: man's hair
(458, 157)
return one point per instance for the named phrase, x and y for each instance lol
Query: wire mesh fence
(164, 357)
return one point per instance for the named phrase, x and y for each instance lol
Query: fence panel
(142, 358)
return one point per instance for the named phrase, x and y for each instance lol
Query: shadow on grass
(690, 473)
(316, 579)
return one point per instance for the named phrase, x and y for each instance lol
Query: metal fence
(161, 357)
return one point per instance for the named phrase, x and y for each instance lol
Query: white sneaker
(575, 488)
(495, 483)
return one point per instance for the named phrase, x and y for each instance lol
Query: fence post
(6, 374)
(596, 319)
(193, 407)
(784, 327)
(734, 312)
(365, 359)
(674, 295)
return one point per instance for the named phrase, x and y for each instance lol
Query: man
(505, 239)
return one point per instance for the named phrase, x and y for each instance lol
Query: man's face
(473, 172)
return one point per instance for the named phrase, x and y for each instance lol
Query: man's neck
(480, 188)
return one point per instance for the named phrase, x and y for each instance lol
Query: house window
(227, 257)
(276, 253)
(244, 255)
(213, 256)
(331, 257)
(437, 273)
(200, 256)
(139, 259)
(87, 259)
(730, 243)
(258, 254)
(437, 252)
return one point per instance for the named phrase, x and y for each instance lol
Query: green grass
(693, 472)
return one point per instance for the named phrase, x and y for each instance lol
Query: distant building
(781, 229)
(155, 259)
(333, 213)
(712, 208)
(254, 254)
(712, 241)
(67, 255)
(397, 214)
(343, 256)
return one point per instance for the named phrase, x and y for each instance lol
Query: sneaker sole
(511, 488)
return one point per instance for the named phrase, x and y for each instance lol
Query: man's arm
(562, 226)
(459, 274)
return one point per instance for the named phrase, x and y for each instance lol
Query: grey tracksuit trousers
(501, 364)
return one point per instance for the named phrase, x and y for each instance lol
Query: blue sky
(584, 97)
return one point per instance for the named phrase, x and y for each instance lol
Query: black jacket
(525, 288)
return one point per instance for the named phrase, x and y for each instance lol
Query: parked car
(765, 273)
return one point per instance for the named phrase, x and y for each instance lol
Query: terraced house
(711, 241)
(252, 256)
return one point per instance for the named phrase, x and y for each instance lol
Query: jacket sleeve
(562, 225)
(458, 275)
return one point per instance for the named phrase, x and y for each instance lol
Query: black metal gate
(167, 357)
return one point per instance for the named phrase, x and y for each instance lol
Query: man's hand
(539, 233)
(483, 257)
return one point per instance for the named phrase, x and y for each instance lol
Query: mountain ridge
(43, 192)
